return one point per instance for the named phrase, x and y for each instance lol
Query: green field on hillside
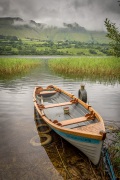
(54, 34)
(11, 45)
(14, 27)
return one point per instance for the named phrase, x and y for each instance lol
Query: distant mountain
(30, 29)
(18, 22)
(74, 26)
(9, 20)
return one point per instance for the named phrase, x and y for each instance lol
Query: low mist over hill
(30, 29)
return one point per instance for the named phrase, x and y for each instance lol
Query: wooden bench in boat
(75, 120)
(47, 92)
(57, 105)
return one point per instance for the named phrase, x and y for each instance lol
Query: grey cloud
(113, 7)
(50, 12)
(80, 4)
(4, 7)
(88, 13)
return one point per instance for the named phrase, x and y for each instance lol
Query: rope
(108, 164)
(63, 162)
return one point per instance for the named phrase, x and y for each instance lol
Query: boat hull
(90, 147)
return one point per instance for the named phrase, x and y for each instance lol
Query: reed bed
(87, 66)
(12, 66)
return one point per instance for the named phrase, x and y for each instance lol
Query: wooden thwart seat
(74, 121)
(57, 105)
(47, 92)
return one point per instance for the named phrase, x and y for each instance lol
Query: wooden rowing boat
(72, 119)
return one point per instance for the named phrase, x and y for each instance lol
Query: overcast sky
(88, 13)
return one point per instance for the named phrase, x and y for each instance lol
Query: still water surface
(18, 158)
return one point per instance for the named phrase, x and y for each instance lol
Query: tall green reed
(11, 66)
(87, 66)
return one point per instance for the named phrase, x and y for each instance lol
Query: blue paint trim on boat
(77, 138)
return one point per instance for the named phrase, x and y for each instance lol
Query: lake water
(19, 159)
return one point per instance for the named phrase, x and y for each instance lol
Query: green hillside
(21, 29)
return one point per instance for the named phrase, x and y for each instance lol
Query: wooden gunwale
(76, 132)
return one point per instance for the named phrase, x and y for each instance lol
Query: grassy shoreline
(114, 150)
(13, 66)
(87, 66)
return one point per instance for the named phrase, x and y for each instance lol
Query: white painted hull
(91, 150)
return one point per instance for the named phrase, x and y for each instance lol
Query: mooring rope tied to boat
(108, 164)
(63, 162)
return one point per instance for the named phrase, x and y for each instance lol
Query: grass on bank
(113, 145)
(114, 150)
(12, 66)
(87, 66)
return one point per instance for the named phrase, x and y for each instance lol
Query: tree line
(11, 45)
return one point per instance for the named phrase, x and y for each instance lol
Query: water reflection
(18, 158)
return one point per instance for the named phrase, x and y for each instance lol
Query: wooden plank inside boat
(57, 105)
(74, 121)
(47, 92)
